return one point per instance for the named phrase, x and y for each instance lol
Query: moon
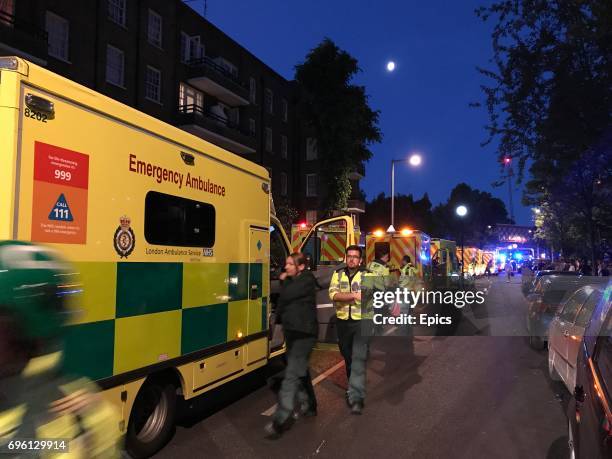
(390, 66)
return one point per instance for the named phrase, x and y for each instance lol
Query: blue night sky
(424, 103)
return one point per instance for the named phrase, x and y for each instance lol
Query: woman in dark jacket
(297, 312)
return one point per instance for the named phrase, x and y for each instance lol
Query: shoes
(274, 430)
(307, 409)
(357, 408)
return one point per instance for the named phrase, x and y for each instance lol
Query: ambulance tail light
(379, 233)
(303, 225)
(406, 232)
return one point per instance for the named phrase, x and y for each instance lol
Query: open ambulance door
(279, 251)
(325, 247)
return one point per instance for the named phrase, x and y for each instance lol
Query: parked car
(529, 283)
(590, 408)
(551, 291)
(566, 331)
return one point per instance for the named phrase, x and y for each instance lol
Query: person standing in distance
(345, 292)
(297, 312)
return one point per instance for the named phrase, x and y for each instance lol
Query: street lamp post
(415, 161)
(462, 212)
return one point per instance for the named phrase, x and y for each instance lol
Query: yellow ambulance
(172, 237)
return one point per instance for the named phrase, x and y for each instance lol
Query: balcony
(215, 129)
(212, 78)
(358, 172)
(355, 206)
(21, 38)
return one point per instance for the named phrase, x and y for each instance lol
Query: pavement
(483, 394)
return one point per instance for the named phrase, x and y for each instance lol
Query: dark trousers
(296, 382)
(354, 347)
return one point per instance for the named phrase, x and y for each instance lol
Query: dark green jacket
(297, 305)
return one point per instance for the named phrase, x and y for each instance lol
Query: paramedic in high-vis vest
(345, 292)
(37, 400)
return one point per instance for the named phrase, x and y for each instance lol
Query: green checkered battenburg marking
(144, 290)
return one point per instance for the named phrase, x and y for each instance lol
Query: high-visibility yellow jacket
(343, 282)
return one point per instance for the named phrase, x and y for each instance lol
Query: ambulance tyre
(151, 423)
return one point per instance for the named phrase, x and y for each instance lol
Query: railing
(202, 112)
(208, 62)
(30, 29)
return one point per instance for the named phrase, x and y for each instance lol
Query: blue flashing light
(518, 256)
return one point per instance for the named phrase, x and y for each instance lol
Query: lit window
(190, 99)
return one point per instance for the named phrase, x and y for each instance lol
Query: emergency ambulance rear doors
(325, 246)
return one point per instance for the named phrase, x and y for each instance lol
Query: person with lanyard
(297, 312)
(345, 292)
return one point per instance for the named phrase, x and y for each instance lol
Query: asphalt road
(483, 395)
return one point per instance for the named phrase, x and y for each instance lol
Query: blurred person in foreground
(297, 312)
(37, 400)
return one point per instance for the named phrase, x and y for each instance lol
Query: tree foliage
(550, 104)
(338, 114)
(441, 221)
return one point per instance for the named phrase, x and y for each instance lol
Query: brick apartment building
(166, 60)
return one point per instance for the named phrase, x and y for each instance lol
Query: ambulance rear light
(406, 232)
(379, 233)
(14, 64)
(303, 225)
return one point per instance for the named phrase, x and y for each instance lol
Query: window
(283, 184)
(252, 127)
(252, 90)
(154, 31)
(587, 310)
(227, 66)
(171, 220)
(7, 9)
(269, 101)
(311, 185)
(116, 11)
(570, 309)
(278, 252)
(311, 149)
(115, 66)
(269, 139)
(285, 108)
(153, 84)
(190, 99)
(284, 146)
(58, 29)
(191, 48)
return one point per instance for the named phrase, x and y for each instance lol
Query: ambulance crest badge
(124, 239)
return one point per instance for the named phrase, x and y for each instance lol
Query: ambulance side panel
(97, 181)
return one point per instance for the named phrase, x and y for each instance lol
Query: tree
(409, 213)
(483, 210)
(286, 214)
(550, 101)
(337, 113)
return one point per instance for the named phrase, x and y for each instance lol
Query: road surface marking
(270, 411)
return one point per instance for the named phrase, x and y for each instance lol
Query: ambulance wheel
(152, 420)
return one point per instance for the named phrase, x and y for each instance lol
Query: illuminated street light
(462, 212)
(390, 66)
(415, 160)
